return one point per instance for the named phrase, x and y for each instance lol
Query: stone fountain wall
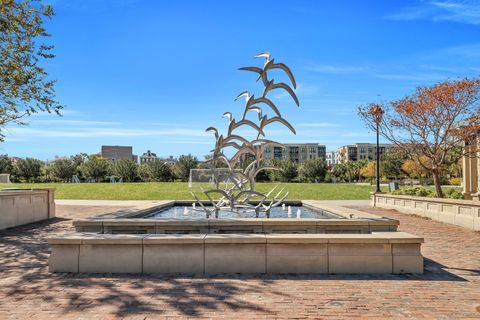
(18, 207)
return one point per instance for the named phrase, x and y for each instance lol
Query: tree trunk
(438, 186)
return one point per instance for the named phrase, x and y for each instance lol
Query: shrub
(288, 170)
(184, 164)
(455, 181)
(453, 193)
(29, 169)
(126, 169)
(160, 171)
(63, 169)
(313, 170)
(96, 168)
(415, 191)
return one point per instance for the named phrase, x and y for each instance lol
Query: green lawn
(180, 191)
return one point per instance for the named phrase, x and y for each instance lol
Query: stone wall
(19, 207)
(463, 213)
(247, 225)
(378, 252)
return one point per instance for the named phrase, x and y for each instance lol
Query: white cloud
(471, 51)
(28, 133)
(319, 125)
(335, 69)
(461, 11)
(409, 76)
(60, 122)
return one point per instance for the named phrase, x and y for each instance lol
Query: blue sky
(155, 74)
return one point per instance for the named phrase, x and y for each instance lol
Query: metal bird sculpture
(269, 65)
(271, 85)
(239, 184)
(250, 101)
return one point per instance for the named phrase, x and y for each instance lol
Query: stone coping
(95, 238)
(135, 211)
(347, 213)
(174, 239)
(140, 211)
(427, 199)
(238, 222)
(235, 238)
(143, 210)
(9, 193)
(130, 221)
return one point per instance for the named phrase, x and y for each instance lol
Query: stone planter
(18, 207)
(463, 213)
(378, 252)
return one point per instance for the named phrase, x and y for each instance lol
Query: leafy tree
(391, 165)
(288, 170)
(6, 165)
(96, 168)
(414, 169)
(183, 166)
(24, 87)
(28, 169)
(144, 172)
(455, 169)
(431, 122)
(369, 171)
(354, 168)
(160, 171)
(329, 177)
(63, 169)
(349, 171)
(79, 159)
(126, 169)
(313, 170)
(339, 172)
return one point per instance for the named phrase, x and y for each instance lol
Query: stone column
(467, 174)
(476, 175)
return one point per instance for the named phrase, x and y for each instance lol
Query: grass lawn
(180, 191)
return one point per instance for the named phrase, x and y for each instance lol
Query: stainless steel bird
(269, 65)
(236, 186)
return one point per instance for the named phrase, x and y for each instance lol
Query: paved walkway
(450, 288)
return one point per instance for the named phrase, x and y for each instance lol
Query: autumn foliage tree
(431, 122)
(369, 171)
(414, 169)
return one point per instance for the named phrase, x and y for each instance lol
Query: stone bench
(248, 225)
(379, 252)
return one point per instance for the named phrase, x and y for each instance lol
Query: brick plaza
(449, 289)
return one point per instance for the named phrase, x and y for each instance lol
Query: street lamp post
(377, 112)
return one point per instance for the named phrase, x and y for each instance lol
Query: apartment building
(115, 153)
(331, 159)
(147, 157)
(297, 153)
(170, 160)
(361, 151)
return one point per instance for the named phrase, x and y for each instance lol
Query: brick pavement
(449, 289)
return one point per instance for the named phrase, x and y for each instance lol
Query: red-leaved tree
(432, 123)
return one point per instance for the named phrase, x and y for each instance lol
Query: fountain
(233, 185)
(312, 238)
